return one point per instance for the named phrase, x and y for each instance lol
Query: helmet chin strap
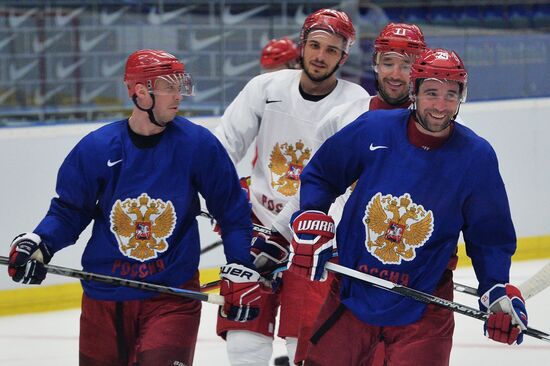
(421, 122)
(149, 111)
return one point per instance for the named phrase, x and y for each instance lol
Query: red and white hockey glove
(27, 257)
(242, 290)
(507, 314)
(312, 244)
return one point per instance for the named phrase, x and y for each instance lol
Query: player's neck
(318, 87)
(140, 124)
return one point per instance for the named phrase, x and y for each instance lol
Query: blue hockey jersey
(403, 219)
(144, 202)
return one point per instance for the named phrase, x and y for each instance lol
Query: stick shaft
(256, 227)
(422, 296)
(535, 284)
(531, 287)
(117, 281)
(212, 246)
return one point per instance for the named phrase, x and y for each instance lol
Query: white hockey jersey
(338, 117)
(271, 109)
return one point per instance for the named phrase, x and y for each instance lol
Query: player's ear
(140, 90)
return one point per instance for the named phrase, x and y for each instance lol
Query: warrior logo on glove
(312, 244)
(395, 227)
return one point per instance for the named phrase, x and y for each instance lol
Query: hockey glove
(242, 290)
(507, 314)
(27, 257)
(312, 244)
(269, 251)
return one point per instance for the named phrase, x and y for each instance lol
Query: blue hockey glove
(27, 257)
(507, 314)
(312, 244)
(269, 251)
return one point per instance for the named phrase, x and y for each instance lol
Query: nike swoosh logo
(7, 94)
(109, 70)
(300, 16)
(86, 44)
(155, 18)
(264, 39)
(199, 44)
(232, 19)
(232, 70)
(15, 20)
(5, 41)
(203, 95)
(267, 101)
(113, 163)
(62, 20)
(18, 73)
(40, 99)
(86, 97)
(106, 18)
(63, 71)
(39, 46)
(373, 147)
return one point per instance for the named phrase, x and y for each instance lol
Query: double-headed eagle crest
(286, 164)
(396, 227)
(141, 226)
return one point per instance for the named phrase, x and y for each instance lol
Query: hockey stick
(536, 283)
(423, 297)
(531, 287)
(256, 227)
(117, 281)
(209, 247)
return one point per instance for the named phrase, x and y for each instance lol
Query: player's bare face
(167, 100)
(321, 55)
(393, 77)
(437, 102)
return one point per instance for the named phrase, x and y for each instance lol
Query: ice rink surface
(49, 339)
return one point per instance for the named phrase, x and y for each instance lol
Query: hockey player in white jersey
(281, 111)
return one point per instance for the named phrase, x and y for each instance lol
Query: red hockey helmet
(146, 66)
(401, 38)
(334, 21)
(279, 52)
(441, 64)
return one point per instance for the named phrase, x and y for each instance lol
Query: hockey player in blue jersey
(422, 178)
(138, 180)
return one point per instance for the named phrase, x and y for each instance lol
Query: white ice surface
(50, 339)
